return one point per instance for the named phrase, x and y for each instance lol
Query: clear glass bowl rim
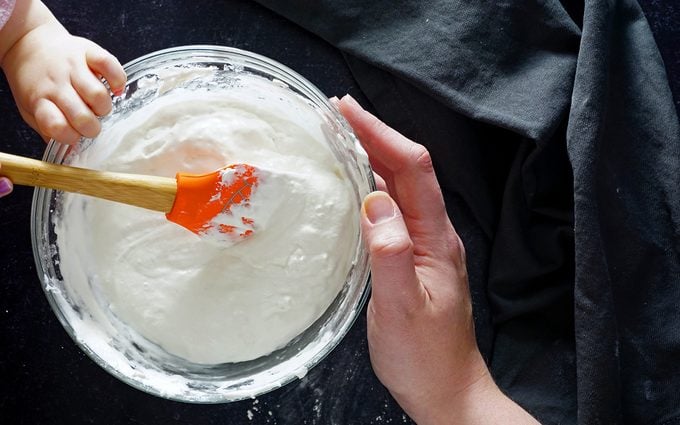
(55, 152)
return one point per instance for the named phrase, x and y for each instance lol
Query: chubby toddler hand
(55, 78)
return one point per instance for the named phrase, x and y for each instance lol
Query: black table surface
(44, 377)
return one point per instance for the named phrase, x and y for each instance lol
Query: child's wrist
(26, 16)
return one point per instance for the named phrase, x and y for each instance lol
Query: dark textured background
(44, 377)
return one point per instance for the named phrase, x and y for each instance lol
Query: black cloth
(557, 146)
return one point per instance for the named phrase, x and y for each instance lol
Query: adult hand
(54, 76)
(420, 328)
(5, 185)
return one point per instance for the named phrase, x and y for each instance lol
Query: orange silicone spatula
(202, 204)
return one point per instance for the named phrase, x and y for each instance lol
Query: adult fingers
(52, 123)
(408, 162)
(413, 180)
(380, 182)
(396, 288)
(92, 91)
(105, 64)
(379, 137)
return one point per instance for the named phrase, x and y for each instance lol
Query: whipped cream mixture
(198, 300)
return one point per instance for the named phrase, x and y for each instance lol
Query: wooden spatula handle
(150, 192)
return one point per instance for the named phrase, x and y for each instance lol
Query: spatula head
(215, 205)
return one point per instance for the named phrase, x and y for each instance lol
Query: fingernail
(5, 187)
(379, 207)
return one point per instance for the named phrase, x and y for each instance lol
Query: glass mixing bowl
(119, 349)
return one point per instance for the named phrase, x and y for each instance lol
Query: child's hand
(54, 77)
(421, 335)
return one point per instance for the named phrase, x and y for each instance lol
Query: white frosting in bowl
(129, 328)
(197, 300)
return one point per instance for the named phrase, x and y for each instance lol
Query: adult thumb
(396, 287)
(5, 186)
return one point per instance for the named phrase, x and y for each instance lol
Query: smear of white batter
(197, 300)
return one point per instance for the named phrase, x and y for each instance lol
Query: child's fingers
(92, 91)
(52, 123)
(105, 64)
(30, 120)
(28, 117)
(79, 115)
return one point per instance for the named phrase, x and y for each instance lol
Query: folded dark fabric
(557, 146)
